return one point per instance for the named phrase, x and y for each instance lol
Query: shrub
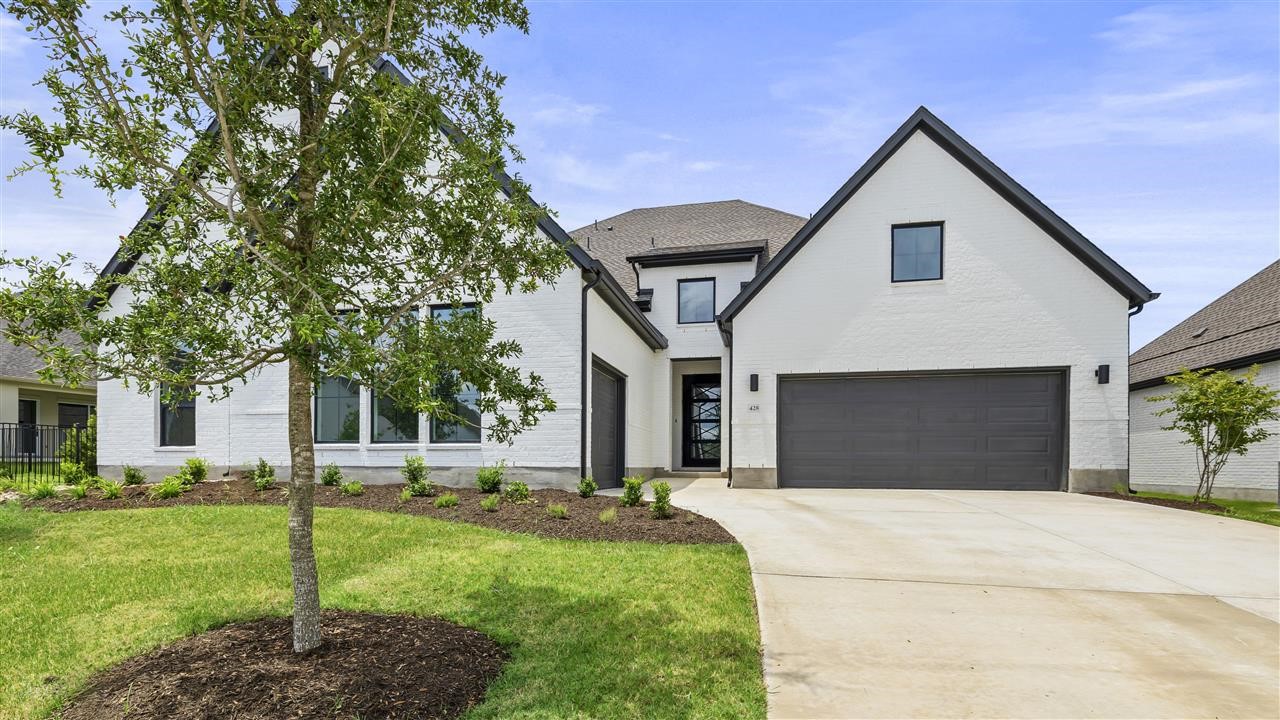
(490, 504)
(447, 500)
(331, 475)
(73, 473)
(42, 490)
(587, 487)
(405, 495)
(352, 489)
(415, 473)
(558, 512)
(171, 487)
(609, 515)
(78, 492)
(111, 490)
(263, 475)
(632, 491)
(661, 507)
(1120, 488)
(7, 483)
(517, 492)
(489, 479)
(81, 445)
(133, 476)
(197, 470)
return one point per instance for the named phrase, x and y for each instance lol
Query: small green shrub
(78, 492)
(42, 490)
(517, 492)
(197, 470)
(558, 512)
(7, 483)
(489, 479)
(111, 490)
(133, 476)
(73, 473)
(405, 495)
(331, 475)
(1120, 488)
(609, 515)
(352, 489)
(661, 507)
(490, 503)
(587, 487)
(415, 472)
(171, 487)
(263, 475)
(447, 500)
(632, 491)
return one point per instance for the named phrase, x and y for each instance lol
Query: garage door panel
(979, 430)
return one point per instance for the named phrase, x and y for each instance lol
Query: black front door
(701, 441)
(27, 423)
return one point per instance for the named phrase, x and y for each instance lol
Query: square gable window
(917, 252)
(697, 301)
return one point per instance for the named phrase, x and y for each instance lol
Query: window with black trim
(177, 416)
(337, 413)
(696, 300)
(461, 399)
(393, 422)
(917, 252)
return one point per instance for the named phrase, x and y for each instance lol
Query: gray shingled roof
(22, 364)
(1226, 333)
(642, 230)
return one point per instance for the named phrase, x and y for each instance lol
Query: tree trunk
(302, 556)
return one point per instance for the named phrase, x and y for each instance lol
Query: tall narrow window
(697, 300)
(917, 252)
(177, 416)
(393, 422)
(461, 398)
(337, 414)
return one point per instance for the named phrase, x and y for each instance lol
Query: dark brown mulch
(583, 522)
(370, 666)
(1166, 502)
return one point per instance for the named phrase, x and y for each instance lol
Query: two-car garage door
(960, 431)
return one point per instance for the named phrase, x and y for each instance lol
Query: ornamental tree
(1221, 415)
(307, 198)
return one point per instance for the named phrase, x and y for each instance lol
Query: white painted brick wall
(1157, 458)
(613, 341)
(1011, 297)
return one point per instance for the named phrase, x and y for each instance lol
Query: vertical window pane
(697, 301)
(917, 253)
(337, 411)
(392, 423)
(178, 418)
(463, 400)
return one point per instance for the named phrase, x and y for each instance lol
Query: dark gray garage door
(977, 431)
(607, 403)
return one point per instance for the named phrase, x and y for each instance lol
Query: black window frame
(432, 438)
(679, 290)
(942, 245)
(315, 412)
(180, 404)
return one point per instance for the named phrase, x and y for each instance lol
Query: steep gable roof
(1236, 330)
(926, 122)
(644, 231)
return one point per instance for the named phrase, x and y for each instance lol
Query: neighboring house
(933, 325)
(1234, 332)
(34, 415)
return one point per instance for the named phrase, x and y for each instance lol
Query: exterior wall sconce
(755, 382)
(1104, 374)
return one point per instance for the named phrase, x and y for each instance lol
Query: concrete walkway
(902, 603)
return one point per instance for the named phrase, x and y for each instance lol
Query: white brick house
(933, 325)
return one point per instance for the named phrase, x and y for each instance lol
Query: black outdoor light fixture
(1104, 374)
(755, 382)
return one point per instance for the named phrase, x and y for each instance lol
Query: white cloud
(557, 110)
(13, 37)
(703, 165)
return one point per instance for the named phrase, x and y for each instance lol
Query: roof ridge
(1206, 342)
(687, 205)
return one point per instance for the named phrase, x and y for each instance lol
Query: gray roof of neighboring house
(681, 228)
(1237, 329)
(21, 363)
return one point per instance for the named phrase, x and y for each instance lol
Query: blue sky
(1154, 129)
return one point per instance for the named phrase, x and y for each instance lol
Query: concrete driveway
(913, 603)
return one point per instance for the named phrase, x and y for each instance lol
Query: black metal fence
(34, 453)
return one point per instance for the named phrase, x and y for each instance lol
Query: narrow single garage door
(965, 431)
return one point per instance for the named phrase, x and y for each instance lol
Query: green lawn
(1263, 511)
(595, 629)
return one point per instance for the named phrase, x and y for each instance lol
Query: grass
(1262, 511)
(595, 629)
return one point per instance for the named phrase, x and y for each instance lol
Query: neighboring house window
(74, 415)
(177, 417)
(917, 252)
(461, 397)
(337, 411)
(697, 301)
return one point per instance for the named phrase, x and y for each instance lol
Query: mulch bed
(583, 521)
(370, 666)
(1166, 502)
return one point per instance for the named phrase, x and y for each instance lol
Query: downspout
(595, 274)
(726, 332)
